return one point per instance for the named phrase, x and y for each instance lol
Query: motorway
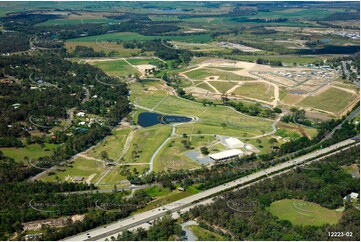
(139, 219)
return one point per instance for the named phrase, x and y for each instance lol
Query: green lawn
(333, 100)
(205, 235)
(80, 167)
(222, 87)
(172, 156)
(300, 212)
(116, 67)
(141, 61)
(257, 90)
(145, 142)
(212, 118)
(129, 36)
(203, 73)
(206, 87)
(33, 151)
(112, 144)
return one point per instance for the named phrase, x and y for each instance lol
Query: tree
(104, 155)
(272, 141)
(204, 150)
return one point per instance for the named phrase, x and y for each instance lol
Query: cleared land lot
(300, 212)
(203, 73)
(112, 144)
(257, 90)
(33, 151)
(129, 36)
(333, 100)
(79, 167)
(116, 67)
(222, 87)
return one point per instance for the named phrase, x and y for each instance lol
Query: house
(354, 195)
(80, 114)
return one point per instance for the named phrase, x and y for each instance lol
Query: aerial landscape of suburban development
(180, 120)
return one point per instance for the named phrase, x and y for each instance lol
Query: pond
(147, 119)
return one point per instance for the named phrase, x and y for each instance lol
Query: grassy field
(212, 118)
(116, 67)
(116, 177)
(141, 61)
(145, 142)
(129, 36)
(333, 100)
(206, 87)
(112, 144)
(205, 235)
(106, 47)
(257, 90)
(86, 20)
(202, 73)
(80, 167)
(222, 87)
(33, 151)
(172, 156)
(300, 212)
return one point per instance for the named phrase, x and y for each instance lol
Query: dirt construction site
(316, 89)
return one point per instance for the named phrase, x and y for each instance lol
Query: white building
(354, 195)
(224, 155)
(233, 143)
(80, 114)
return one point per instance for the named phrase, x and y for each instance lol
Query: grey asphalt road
(103, 232)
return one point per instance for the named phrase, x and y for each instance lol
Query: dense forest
(326, 185)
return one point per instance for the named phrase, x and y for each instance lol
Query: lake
(147, 119)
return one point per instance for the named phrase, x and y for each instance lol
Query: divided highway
(113, 229)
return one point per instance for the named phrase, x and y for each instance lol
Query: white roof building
(233, 143)
(354, 195)
(224, 155)
(80, 114)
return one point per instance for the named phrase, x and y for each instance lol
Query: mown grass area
(168, 197)
(222, 87)
(118, 174)
(226, 68)
(300, 212)
(302, 130)
(205, 235)
(107, 48)
(287, 59)
(85, 20)
(33, 151)
(147, 94)
(206, 87)
(257, 90)
(333, 100)
(172, 156)
(129, 36)
(116, 67)
(285, 133)
(79, 167)
(145, 142)
(212, 118)
(112, 144)
(141, 61)
(203, 73)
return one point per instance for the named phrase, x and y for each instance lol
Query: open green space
(202, 73)
(112, 144)
(76, 21)
(116, 67)
(226, 68)
(300, 212)
(212, 119)
(172, 155)
(205, 86)
(77, 167)
(145, 142)
(129, 36)
(33, 151)
(333, 100)
(222, 87)
(205, 235)
(257, 90)
(141, 61)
